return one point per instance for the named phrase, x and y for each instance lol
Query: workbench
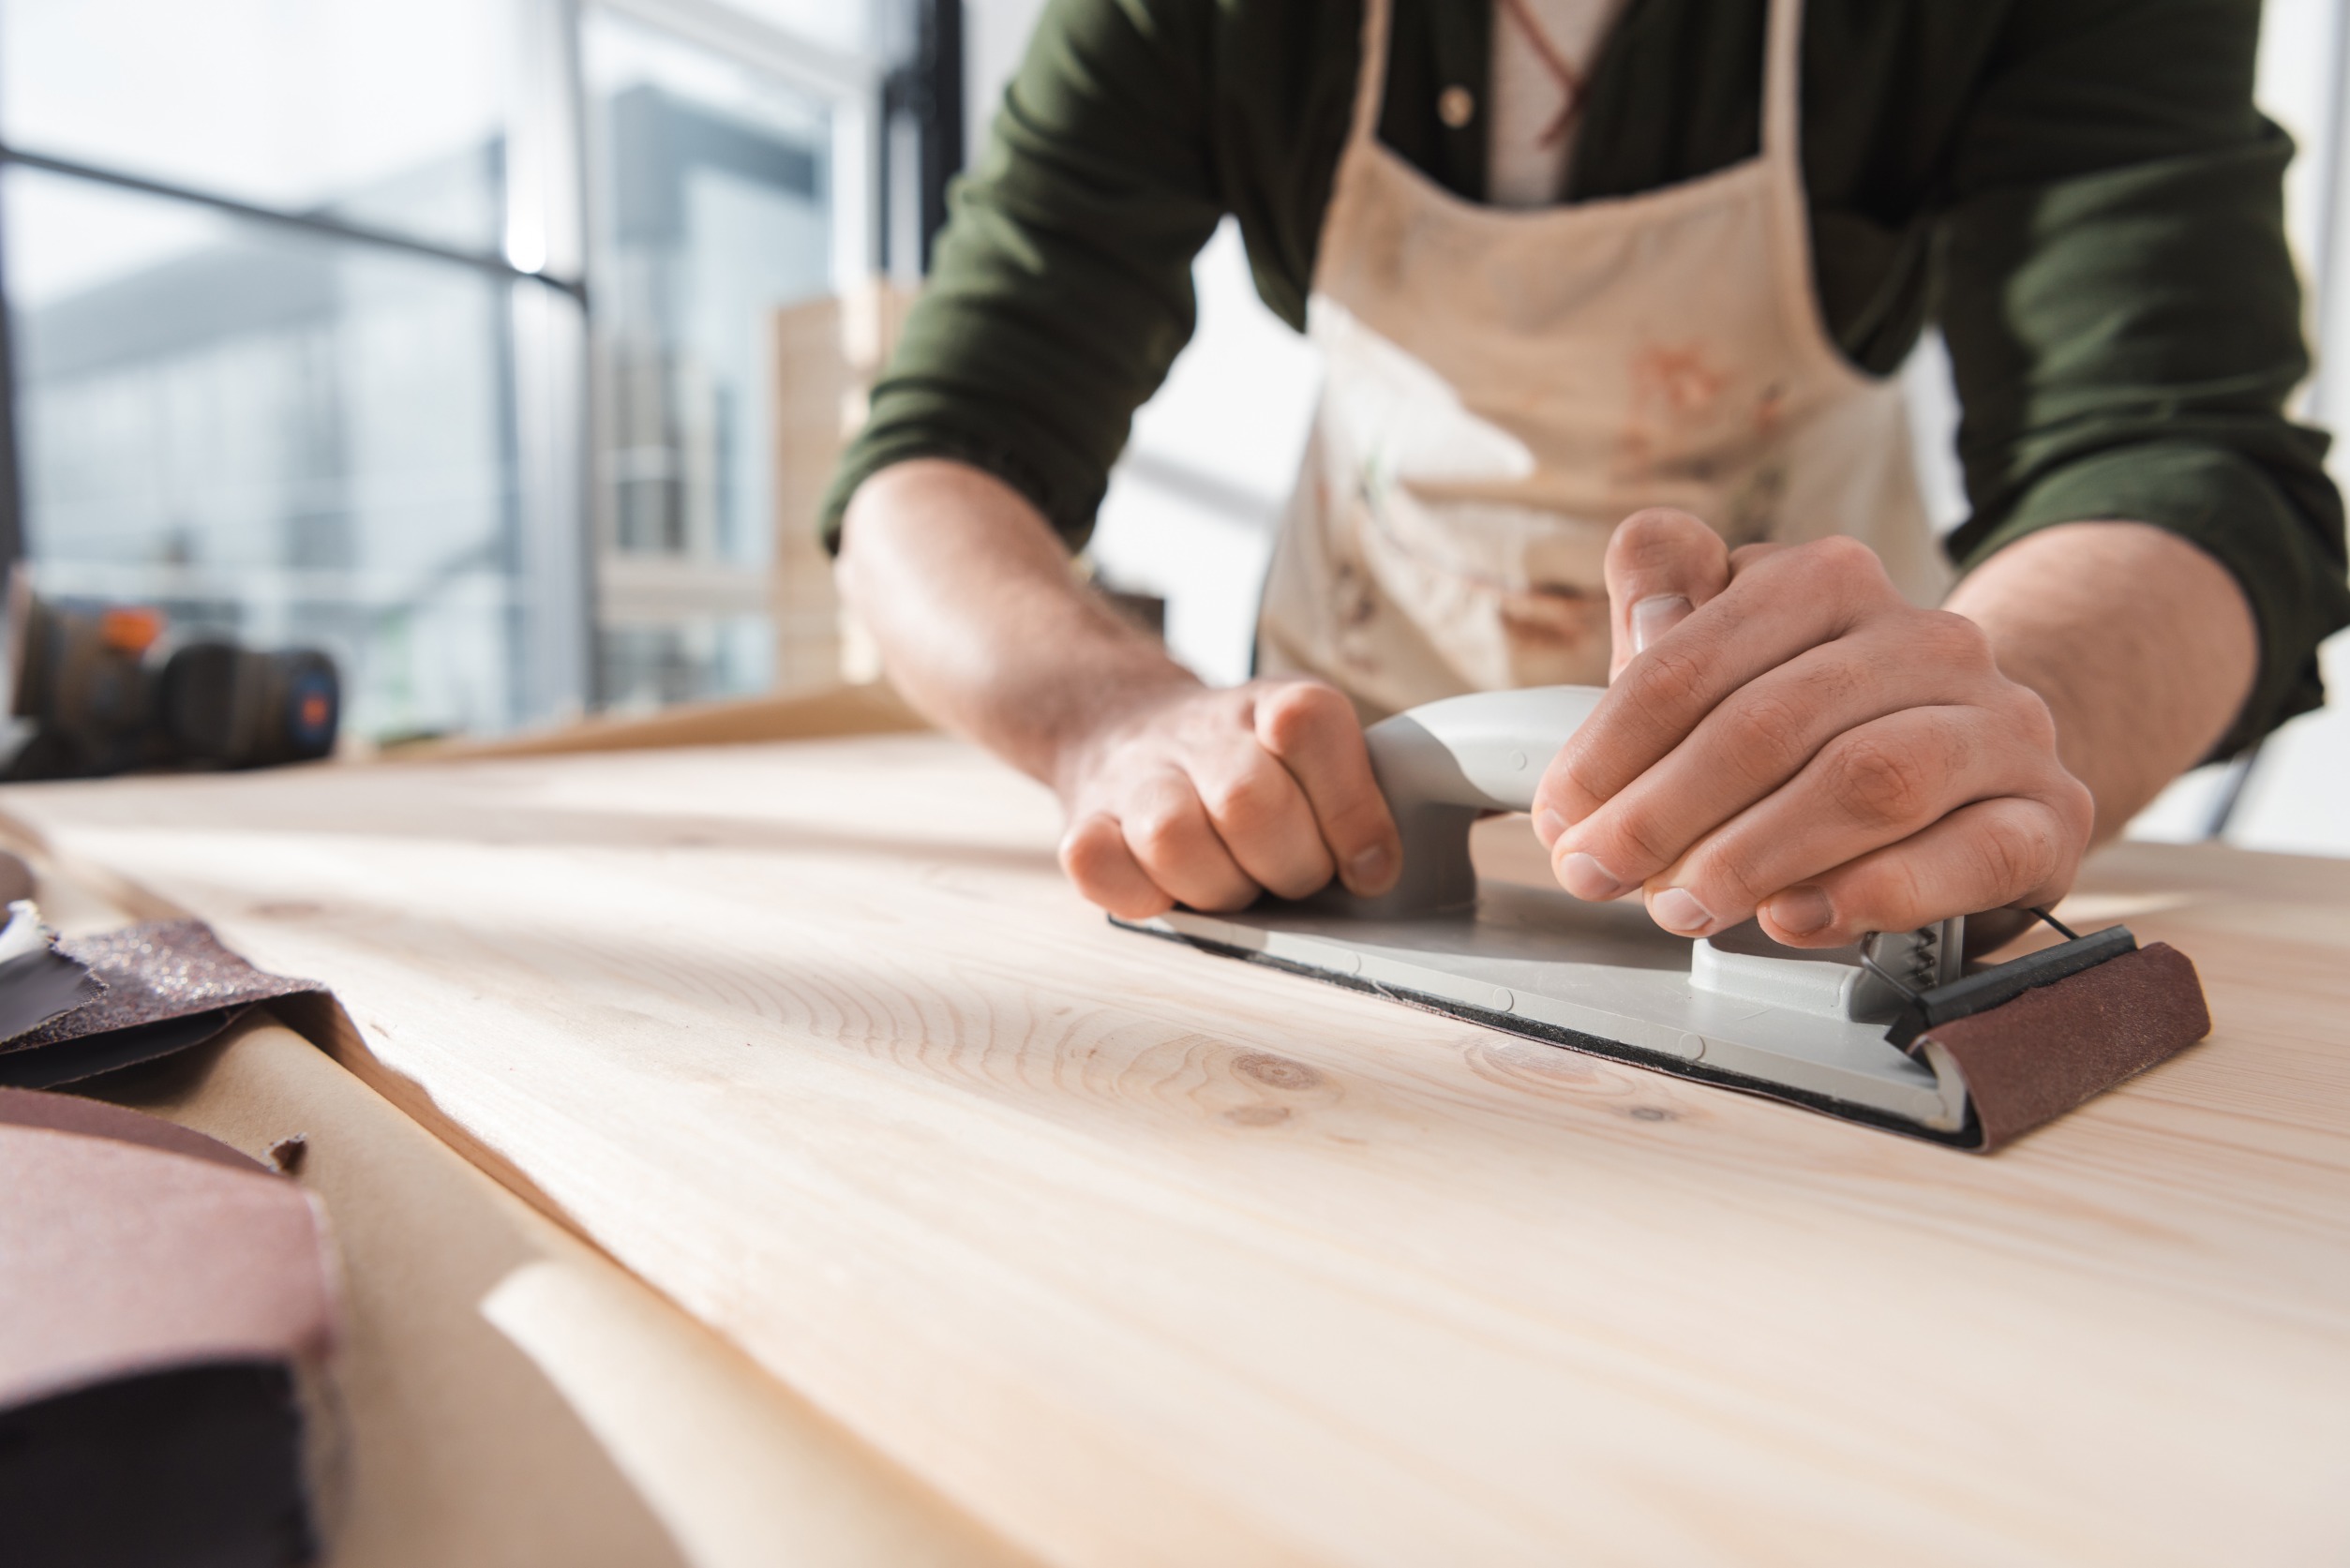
(1130, 1254)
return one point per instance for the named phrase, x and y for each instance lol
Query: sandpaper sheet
(164, 1299)
(127, 1255)
(168, 985)
(39, 985)
(95, 1118)
(2051, 1050)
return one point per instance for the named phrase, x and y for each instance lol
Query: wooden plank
(826, 354)
(873, 707)
(1145, 1256)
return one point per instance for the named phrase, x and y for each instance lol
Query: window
(719, 199)
(443, 334)
(271, 370)
(275, 434)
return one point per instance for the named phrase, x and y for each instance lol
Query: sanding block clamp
(1891, 1031)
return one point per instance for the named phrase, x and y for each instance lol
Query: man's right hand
(1189, 795)
(1175, 792)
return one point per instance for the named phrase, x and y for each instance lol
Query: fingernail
(1677, 910)
(1800, 911)
(1367, 872)
(1586, 878)
(1653, 617)
(1549, 825)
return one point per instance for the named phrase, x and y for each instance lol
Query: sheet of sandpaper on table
(168, 985)
(39, 985)
(165, 1300)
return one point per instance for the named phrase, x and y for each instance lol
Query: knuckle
(1765, 736)
(2076, 807)
(1881, 784)
(1094, 859)
(1843, 679)
(1575, 787)
(1844, 559)
(1084, 853)
(1729, 875)
(1656, 536)
(1637, 838)
(1159, 834)
(1952, 642)
(2028, 713)
(1666, 678)
(2015, 853)
(1246, 796)
(1292, 713)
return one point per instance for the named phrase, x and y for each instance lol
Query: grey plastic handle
(1444, 764)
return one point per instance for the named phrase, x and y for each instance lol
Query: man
(1606, 292)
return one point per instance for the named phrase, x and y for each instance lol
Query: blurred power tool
(108, 692)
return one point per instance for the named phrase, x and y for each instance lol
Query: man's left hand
(1785, 735)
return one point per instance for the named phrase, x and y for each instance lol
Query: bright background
(499, 503)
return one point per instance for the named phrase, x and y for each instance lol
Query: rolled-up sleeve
(1062, 289)
(2125, 333)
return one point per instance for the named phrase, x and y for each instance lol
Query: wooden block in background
(826, 353)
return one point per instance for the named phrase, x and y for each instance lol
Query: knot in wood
(1277, 1072)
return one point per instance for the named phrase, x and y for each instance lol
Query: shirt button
(1456, 106)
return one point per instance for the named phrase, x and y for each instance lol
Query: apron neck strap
(1782, 84)
(1370, 83)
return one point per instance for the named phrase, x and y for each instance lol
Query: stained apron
(1503, 387)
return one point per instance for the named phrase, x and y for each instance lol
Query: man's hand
(1785, 735)
(1173, 791)
(1200, 797)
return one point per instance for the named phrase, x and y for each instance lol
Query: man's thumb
(1661, 565)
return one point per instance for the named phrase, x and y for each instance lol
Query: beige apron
(1503, 387)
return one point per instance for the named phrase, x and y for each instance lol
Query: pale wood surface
(1145, 1256)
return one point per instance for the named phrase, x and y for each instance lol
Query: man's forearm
(981, 623)
(2143, 646)
(1174, 792)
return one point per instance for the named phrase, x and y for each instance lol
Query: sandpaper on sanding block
(2053, 1047)
(168, 1313)
(1890, 1032)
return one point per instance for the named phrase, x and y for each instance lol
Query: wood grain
(1143, 1256)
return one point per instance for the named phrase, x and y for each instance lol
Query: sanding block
(169, 1311)
(1891, 1031)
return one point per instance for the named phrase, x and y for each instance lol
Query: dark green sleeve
(1062, 289)
(2124, 319)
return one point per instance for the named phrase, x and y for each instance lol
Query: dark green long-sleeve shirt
(2079, 192)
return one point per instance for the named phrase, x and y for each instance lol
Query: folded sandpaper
(159, 988)
(2056, 1047)
(41, 985)
(167, 1309)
